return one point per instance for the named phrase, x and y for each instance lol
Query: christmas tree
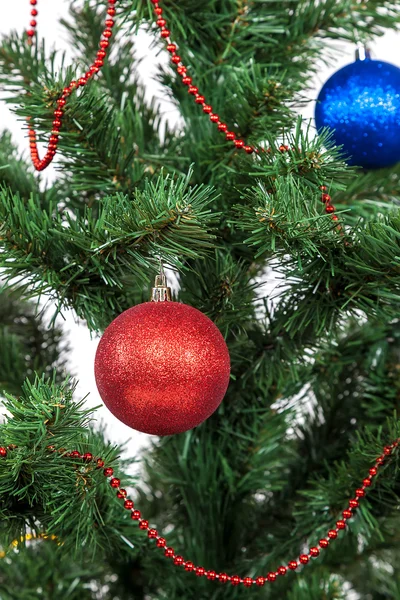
(223, 203)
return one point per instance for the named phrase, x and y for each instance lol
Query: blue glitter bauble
(361, 105)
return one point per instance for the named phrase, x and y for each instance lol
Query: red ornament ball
(162, 367)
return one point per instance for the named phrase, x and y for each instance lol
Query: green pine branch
(96, 263)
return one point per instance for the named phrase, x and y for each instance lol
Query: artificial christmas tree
(289, 489)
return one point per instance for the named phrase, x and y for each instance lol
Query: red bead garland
(240, 144)
(199, 98)
(189, 566)
(41, 164)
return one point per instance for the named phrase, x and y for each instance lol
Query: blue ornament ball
(361, 105)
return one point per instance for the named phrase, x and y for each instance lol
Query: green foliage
(47, 491)
(115, 246)
(314, 392)
(27, 345)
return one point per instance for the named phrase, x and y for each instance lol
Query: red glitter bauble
(162, 367)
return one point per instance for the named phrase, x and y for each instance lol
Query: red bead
(211, 575)
(360, 493)
(282, 571)
(33, 2)
(161, 543)
(323, 543)
(260, 581)
(239, 143)
(111, 12)
(249, 149)
(200, 571)
(189, 566)
(323, 188)
(161, 22)
(171, 48)
(304, 559)
(222, 127)
(373, 471)
(353, 503)
(75, 454)
(33, 23)
(122, 493)
(214, 118)
(380, 460)
(223, 577)
(247, 582)
(114, 1)
(235, 580)
(169, 552)
(347, 514)
(387, 450)
(199, 99)
(30, 32)
(326, 198)
(283, 148)
(207, 109)
(61, 102)
(57, 113)
(107, 33)
(115, 483)
(104, 44)
(3, 452)
(109, 23)
(366, 482)
(187, 80)
(193, 90)
(329, 208)
(98, 62)
(178, 561)
(181, 70)
(143, 525)
(165, 33)
(34, 12)
(154, 1)
(271, 577)
(158, 10)
(128, 504)
(314, 551)
(176, 59)
(335, 218)
(87, 457)
(340, 524)
(293, 565)
(332, 534)
(230, 136)
(152, 533)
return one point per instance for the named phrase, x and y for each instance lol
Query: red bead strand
(199, 98)
(186, 80)
(189, 566)
(41, 164)
(240, 144)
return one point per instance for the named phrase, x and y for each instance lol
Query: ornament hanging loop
(161, 292)
(363, 52)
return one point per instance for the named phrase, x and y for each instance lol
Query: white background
(17, 16)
